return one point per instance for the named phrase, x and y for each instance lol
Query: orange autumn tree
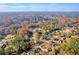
(23, 30)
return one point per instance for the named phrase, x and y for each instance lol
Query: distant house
(3, 36)
(56, 37)
(28, 35)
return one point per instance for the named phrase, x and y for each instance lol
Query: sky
(20, 7)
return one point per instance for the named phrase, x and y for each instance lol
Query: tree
(10, 49)
(0, 36)
(36, 37)
(9, 36)
(77, 31)
(71, 46)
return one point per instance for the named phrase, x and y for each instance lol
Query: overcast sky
(9, 7)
